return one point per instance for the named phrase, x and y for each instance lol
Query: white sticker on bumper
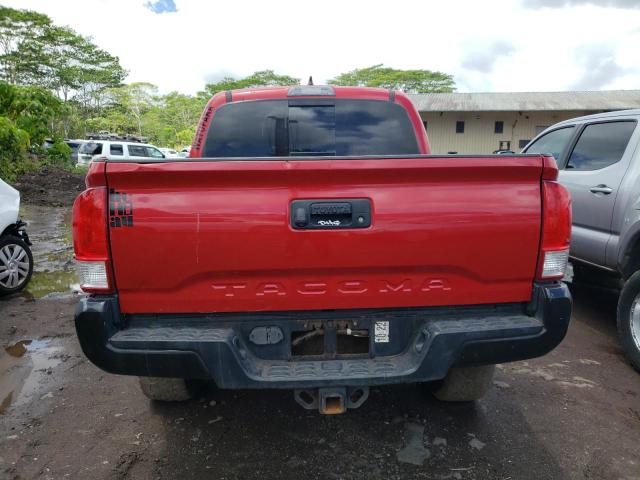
(381, 330)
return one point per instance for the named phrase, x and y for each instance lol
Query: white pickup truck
(16, 260)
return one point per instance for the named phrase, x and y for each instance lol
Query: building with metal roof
(486, 122)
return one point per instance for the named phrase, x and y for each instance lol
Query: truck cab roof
(266, 93)
(634, 113)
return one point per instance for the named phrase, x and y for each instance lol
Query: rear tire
(167, 389)
(629, 319)
(465, 384)
(16, 264)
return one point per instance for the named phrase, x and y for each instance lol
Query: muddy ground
(574, 413)
(50, 186)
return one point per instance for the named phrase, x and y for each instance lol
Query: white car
(16, 260)
(114, 150)
(170, 153)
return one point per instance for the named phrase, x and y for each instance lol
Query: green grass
(81, 169)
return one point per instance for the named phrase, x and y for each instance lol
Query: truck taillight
(90, 240)
(556, 231)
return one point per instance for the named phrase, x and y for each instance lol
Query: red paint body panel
(215, 236)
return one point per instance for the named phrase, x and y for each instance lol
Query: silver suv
(116, 150)
(599, 163)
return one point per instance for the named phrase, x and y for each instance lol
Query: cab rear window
(270, 128)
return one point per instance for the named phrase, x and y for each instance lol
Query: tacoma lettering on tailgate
(345, 287)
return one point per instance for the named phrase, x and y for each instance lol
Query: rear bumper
(423, 342)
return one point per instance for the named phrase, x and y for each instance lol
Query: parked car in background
(75, 147)
(170, 153)
(185, 151)
(599, 160)
(73, 144)
(16, 260)
(115, 150)
(106, 135)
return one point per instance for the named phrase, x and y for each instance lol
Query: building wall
(479, 136)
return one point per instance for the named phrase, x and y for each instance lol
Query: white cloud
(203, 41)
(482, 56)
(599, 67)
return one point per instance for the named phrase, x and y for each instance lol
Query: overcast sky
(488, 45)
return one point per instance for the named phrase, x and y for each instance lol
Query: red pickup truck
(310, 242)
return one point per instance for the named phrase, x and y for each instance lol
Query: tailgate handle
(300, 217)
(330, 214)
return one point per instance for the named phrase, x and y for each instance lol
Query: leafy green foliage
(263, 78)
(129, 103)
(34, 51)
(171, 119)
(22, 34)
(409, 81)
(31, 108)
(59, 154)
(13, 146)
(25, 115)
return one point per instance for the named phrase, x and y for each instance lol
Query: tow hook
(331, 400)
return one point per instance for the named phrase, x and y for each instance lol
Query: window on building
(523, 143)
(424, 122)
(498, 127)
(600, 145)
(540, 129)
(459, 127)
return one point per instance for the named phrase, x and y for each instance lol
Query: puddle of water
(45, 283)
(50, 231)
(22, 367)
(18, 349)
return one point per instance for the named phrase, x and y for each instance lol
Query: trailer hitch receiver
(332, 400)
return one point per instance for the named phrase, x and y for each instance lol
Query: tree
(13, 145)
(26, 115)
(183, 110)
(173, 122)
(34, 51)
(125, 107)
(31, 109)
(263, 78)
(22, 39)
(409, 81)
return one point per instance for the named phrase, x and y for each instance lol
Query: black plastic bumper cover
(203, 349)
